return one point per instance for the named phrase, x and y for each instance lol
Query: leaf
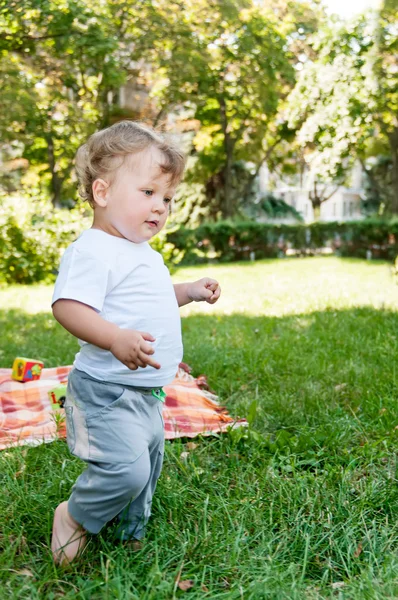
(191, 446)
(25, 572)
(358, 551)
(337, 585)
(340, 387)
(186, 585)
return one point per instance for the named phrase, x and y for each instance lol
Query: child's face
(135, 205)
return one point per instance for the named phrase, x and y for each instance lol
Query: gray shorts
(109, 422)
(119, 432)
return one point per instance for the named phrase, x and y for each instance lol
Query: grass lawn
(303, 505)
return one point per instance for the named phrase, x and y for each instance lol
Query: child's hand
(132, 349)
(204, 289)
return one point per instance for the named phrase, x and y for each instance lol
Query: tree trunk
(317, 198)
(249, 184)
(317, 210)
(316, 201)
(227, 208)
(393, 139)
(56, 181)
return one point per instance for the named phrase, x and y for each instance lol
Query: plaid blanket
(26, 415)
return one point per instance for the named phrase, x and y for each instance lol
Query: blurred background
(287, 110)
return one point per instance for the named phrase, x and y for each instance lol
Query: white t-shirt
(127, 284)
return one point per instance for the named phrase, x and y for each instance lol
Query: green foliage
(229, 241)
(231, 77)
(224, 69)
(344, 104)
(170, 253)
(271, 207)
(33, 236)
(60, 66)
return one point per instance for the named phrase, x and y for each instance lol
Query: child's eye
(167, 200)
(148, 192)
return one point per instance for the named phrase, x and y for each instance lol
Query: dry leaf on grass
(340, 387)
(337, 585)
(186, 585)
(358, 551)
(25, 572)
(191, 445)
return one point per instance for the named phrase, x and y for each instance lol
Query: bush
(33, 237)
(228, 241)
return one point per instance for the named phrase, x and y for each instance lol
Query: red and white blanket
(27, 418)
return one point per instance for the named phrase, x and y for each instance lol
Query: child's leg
(134, 517)
(68, 538)
(108, 424)
(103, 490)
(99, 494)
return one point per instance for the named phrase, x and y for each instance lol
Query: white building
(344, 203)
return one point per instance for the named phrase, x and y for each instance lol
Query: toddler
(114, 293)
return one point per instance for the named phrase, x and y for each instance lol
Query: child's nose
(160, 205)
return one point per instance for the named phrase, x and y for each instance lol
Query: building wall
(343, 205)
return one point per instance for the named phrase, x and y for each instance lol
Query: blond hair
(97, 156)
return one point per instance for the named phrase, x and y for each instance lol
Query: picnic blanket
(27, 417)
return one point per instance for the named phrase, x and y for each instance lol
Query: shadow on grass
(301, 369)
(315, 509)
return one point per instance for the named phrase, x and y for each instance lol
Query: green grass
(303, 505)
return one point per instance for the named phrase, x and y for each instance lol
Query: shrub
(229, 240)
(33, 237)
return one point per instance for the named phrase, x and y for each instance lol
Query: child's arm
(205, 289)
(129, 346)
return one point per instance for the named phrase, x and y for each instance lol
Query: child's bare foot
(69, 538)
(135, 545)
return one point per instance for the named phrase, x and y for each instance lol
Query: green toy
(58, 395)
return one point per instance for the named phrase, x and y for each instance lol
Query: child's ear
(100, 191)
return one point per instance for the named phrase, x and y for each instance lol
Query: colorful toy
(58, 395)
(26, 369)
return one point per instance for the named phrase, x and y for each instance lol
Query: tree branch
(330, 195)
(259, 165)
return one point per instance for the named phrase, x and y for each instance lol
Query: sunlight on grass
(274, 288)
(295, 286)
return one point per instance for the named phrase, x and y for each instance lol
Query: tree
(348, 97)
(227, 69)
(59, 65)
(385, 95)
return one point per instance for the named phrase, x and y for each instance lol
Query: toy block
(58, 395)
(26, 369)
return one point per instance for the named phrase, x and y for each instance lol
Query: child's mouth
(152, 223)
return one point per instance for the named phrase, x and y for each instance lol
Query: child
(115, 295)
